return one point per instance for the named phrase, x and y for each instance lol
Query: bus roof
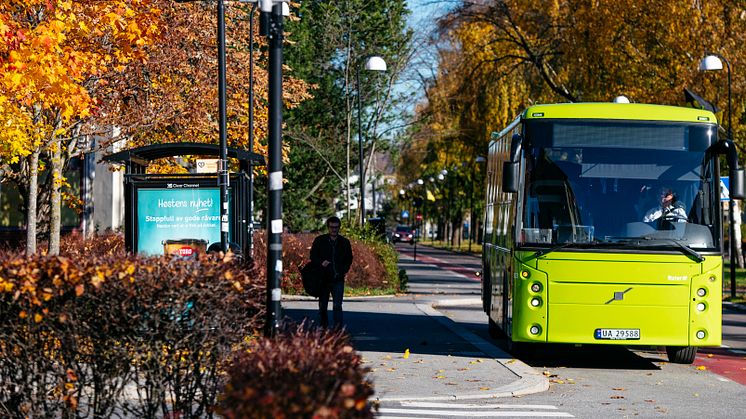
(626, 111)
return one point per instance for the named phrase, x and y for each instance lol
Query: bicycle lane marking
(724, 363)
(465, 272)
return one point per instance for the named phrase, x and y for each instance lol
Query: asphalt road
(601, 381)
(431, 357)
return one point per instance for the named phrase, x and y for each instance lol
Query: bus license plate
(617, 334)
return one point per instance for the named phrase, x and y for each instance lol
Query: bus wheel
(681, 354)
(494, 329)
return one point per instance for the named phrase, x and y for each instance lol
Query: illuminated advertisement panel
(186, 215)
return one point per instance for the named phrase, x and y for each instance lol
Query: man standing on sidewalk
(332, 256)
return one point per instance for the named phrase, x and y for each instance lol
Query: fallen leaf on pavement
(700, 367)
(406, 353)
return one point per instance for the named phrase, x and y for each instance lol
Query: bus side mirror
(511, 176)
(736, 184)
(511, 169)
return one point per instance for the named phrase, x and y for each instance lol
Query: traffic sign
(405, 214)
(724, 184)
(418, 217)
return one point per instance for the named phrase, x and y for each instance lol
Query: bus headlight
(712, 278)
(535, 302)
(535, 330)
(525, 274)
(701, 334)
(535, 287)
(701, 306)
(701, 292)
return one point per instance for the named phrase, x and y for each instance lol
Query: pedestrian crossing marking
(435, 410)
(479, 406)
(385, 412)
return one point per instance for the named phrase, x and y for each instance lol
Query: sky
(423, 19)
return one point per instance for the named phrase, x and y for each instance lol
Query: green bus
(603, 225)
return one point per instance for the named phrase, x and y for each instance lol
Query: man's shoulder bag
(312, 281)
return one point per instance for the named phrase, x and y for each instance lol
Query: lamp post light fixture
(373, 63)
(712, 62)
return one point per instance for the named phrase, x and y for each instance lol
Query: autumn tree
(53, 53)
(497, 57)
(136, 71)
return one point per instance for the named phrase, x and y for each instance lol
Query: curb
(529, 381)
(735, 306)
(295, 297)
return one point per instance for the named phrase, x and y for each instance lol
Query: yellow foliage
(49, 59)
(499, 57)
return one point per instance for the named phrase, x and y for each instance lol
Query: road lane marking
(479, 406)
(384, 412)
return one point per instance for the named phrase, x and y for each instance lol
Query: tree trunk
(33, 191)
(55, 213)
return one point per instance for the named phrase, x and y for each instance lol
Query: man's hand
(325, 263)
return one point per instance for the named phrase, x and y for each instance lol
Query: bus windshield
(644, 184)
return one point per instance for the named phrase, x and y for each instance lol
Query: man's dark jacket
(338, 251)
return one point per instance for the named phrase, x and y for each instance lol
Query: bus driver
(669, 209)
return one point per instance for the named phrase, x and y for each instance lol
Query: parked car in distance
(402, 233)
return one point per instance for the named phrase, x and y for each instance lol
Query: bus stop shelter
(180, 213)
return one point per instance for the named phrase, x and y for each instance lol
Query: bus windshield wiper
(684, 248)
(543, 252)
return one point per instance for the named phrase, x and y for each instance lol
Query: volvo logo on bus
(619, 295)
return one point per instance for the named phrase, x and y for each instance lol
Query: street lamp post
(441, 210)
(373, 63)
(712, 62)
(272, 12)
(223, 176)
(251, 129)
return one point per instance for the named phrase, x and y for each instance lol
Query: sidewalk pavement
(415, 351)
